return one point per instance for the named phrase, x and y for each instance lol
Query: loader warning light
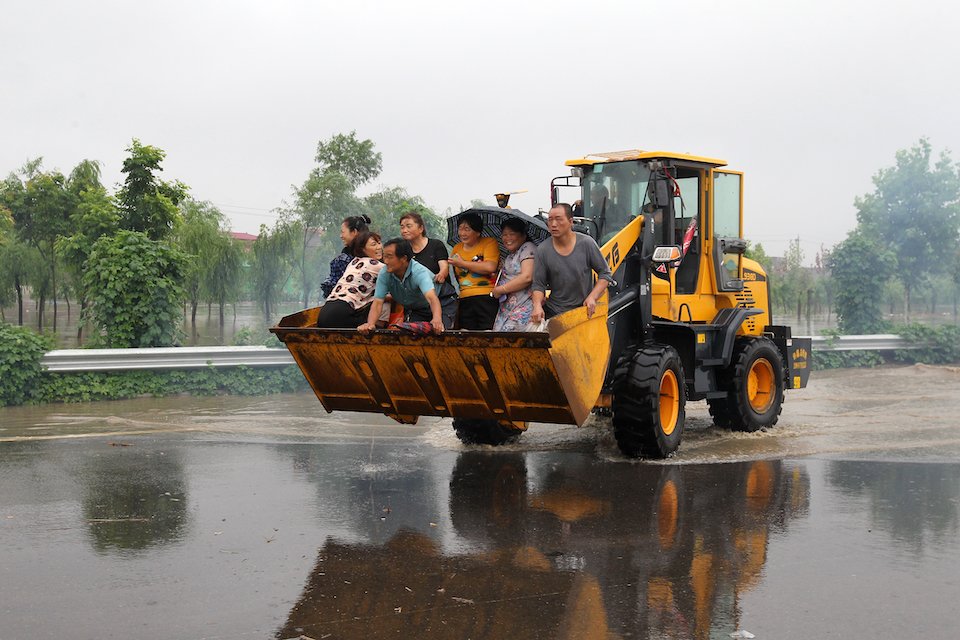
(666, 254)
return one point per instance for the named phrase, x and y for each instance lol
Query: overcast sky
(809, 98)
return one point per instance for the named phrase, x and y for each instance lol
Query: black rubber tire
(735, 411)
(636, 402)
(720, 412)
(483, 431)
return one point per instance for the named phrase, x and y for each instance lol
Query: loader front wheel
(754, 384)
(483, 431)
(649, 395)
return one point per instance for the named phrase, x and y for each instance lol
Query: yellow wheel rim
(669, 401)
(761, 385)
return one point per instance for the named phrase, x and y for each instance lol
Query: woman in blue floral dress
(514, 278)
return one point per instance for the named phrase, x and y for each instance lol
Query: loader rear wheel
(754, 385)
(483, 431)
(649, 395)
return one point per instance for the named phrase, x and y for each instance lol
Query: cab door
(726, 232)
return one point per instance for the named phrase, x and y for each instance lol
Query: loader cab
(619, 189)
(693, 202)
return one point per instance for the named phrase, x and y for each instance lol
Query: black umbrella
(492, 218)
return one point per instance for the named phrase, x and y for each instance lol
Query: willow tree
(224, 267)
(198, 232)
(273, 260)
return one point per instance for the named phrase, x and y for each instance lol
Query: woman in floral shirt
(349, 229)
(349, 301)
(516, 274)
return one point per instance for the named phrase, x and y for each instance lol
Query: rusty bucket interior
(546, 376)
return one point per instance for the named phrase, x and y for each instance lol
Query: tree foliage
(197, 234)
(914, 211)
(41, 204)
(20, 370)
(758, 254)
(95, 215)
(354, 159)
(19, 263)
(324, 200)
(860, 267)
(273, 259)
(389, 203)
(792, 279)
(135, 290)
(6, 239)
(321, 203)
(147, 203)
(224, 267)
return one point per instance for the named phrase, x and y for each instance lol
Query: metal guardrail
(163, 358)
(166, 358)
(878, 342)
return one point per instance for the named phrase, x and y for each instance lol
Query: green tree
(354, 159)
(18, 263)
(147, 203)
(914, 211)
(197, 234)
(759, 254)
(95, 215)
(135, 290)
(860, 267)
(322, 202)
(6, 224)
(41, 205)
(824, 286)
(222, 280)
(389, 203)
(791, 279)
(6, 238)
(85, 177)
(20, 371)
(955, 277)
(273, 259)
(325, 198)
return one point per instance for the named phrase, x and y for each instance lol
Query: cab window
(726, 204)
(726, 228)
(612, 196)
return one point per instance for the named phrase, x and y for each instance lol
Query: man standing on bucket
(565, 266)
(410, 283)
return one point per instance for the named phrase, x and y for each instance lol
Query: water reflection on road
(236, 518)
(567, 548)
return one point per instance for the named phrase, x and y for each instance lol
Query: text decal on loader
(613, 257)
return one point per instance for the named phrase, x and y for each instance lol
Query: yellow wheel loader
(688, 319)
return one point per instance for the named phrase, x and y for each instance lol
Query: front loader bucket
(552, 376)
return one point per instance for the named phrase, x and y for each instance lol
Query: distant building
(245, 238)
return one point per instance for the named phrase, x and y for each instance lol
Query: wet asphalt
(267, 518)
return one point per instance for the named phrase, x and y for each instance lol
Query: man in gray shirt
(564, 266)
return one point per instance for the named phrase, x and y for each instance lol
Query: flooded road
(268, 518)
